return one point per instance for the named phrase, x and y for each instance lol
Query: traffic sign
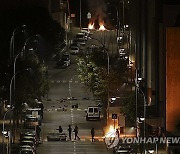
(89, 15)
(114, 116)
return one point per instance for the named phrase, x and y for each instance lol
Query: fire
(102, 27)
(110, 131)
(111, 128)
(91, 26)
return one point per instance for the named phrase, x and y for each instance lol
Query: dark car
(75, 44)
(123, 149)
(29, 138)
(64, 62)
(26, 151)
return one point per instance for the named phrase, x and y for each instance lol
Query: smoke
(97, 8)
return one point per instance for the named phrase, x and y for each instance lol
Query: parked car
(35, 112)
(27, 143)
(30, 121)
(64, 62)
(26, 151)
(29, 138)
(75, 44)
(123, 149)
(23, 148)
(74, 50)
(80, 35)
(80, 41)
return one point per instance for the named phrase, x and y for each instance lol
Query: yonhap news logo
(151, 140)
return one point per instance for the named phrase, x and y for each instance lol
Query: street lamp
(117, 25)
(23, 51)
(10, 93)
(10, 108)
(30, 39)
(15, 31)
(10, 88)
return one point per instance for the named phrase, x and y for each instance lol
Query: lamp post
(10, 98)
(117, 24)
(15, 31)
(3, 127)
(80, 15)
(23, 51)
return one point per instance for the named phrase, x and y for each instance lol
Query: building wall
(172, 79)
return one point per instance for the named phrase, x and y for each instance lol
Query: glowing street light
(6, 133)
(15, 31)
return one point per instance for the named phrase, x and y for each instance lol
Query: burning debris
(98, 11)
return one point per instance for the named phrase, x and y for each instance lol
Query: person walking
(69, 131)
(60, 129)
(76, 131)
(117, 133)
(92, 134)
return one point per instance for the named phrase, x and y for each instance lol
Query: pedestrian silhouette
(76, 131)
(38, 131)
(60, 129)
(117, 133)
(92, 134)
(69, 131)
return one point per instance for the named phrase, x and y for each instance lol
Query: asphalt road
(65, 84)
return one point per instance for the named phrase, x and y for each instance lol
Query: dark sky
(13, 4)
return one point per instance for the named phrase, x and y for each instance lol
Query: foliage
(93, 72)
(32, 83)
(129, 106)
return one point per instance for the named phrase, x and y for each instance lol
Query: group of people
(76, 131)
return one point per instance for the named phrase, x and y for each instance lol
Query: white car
(92, 113)
(80, 36)
(74, 50)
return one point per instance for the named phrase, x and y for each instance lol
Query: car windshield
(26, 152)
(95, 109)
(74, 48)
(90, 109)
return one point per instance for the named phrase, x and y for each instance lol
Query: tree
(129, 106)
(30, 84)
(93, 72)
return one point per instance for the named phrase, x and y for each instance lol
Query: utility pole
(80, 15)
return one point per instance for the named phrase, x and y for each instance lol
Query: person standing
(38, 131)
(76, 131)
(60, 129)
(92, 134)
(117, 133)
(69, 131)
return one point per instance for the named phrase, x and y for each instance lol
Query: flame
(110, 131)
(102, 27)
(111, 128)
(91, 25)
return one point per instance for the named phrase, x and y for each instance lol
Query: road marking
(74, 147)
(64, 81)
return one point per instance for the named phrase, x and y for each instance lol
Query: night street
(89, 77)
(65, 84)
